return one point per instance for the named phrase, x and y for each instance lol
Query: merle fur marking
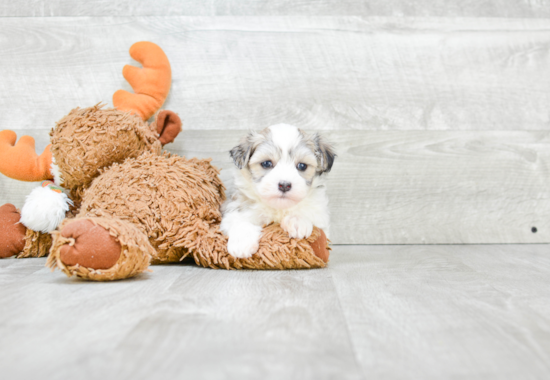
(325, 153)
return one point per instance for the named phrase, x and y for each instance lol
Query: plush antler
(21, 161)
(151, 83)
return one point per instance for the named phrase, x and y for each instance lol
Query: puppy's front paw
(297, 227)
(244, 241)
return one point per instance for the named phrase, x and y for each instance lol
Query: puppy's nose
(285, 186)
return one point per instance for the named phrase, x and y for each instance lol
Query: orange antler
(151, 83)
(21, 161)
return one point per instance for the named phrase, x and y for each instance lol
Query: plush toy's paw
(92, 247)
(45, 208)
(244, 241)
(320, 247)
(297, 227)
(100, 249)
(12, 233)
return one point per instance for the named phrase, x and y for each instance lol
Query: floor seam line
(348, 332)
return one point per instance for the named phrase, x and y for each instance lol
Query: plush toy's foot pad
(12, 233)
(92, 246)
(320, 247)
(100, 249)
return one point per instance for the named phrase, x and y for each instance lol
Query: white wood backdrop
(441, 123)
(396, 8)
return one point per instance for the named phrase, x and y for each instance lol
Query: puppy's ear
(324, 152)
(241, 153)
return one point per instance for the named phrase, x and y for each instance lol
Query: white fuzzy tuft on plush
(44, 209)
(54, 169)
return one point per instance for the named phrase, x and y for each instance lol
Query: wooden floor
(377, 312)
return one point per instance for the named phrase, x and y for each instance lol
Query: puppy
(281, 179)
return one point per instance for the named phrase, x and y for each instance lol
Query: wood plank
(325, 73)
(412, 187)
(180, 320)
(398, 8)
(447, 312)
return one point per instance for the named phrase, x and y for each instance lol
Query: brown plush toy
(129, 204)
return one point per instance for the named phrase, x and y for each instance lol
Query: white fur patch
(285, 136)
(44, 209)
(297, 226)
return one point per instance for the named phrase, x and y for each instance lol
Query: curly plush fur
(89, 139)
(167, 196)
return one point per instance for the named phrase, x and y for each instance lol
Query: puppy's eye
(301, 167)
(267, 164)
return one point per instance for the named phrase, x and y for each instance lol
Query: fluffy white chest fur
(280, 179)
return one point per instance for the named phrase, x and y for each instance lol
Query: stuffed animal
(112, 202)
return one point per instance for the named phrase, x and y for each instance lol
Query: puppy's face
(282, 162)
